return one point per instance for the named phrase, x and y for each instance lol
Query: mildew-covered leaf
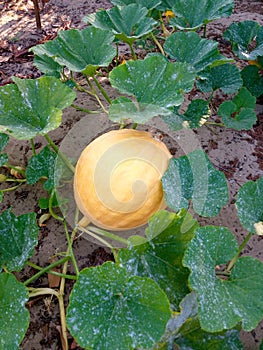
(14, 316)
(33, 106)
(3, 142)
(241, 35)
(223, 303)
(45, 63)
(161, 257)
(127, 22)
(195, 13)
(239, 113)
(18, 238)
(249, 204)
(225, 77)
(109, 309)
(193, 177)
(156, 84)
(80, 50)
(188, 47)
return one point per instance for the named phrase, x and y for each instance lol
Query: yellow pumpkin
(117, 183)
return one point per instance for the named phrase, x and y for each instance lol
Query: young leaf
(161, 257)
(149, 4)
(252, 80)
(239, 113)
(109, 309)
(18, 238)
(249, 204)
(196, 115)
(194, 13)
(42, 165)
(127, 23)
(31, 107)
(194, 177)
(241, 35)
(224, 302)
(14, 316)
(80, 50)
(155, 82)
(188, 47)
(225, 77)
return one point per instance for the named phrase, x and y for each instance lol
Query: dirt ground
(238, 154)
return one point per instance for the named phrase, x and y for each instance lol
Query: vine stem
(12, 188)
(55, 273)
(94, 235)
(133, 52)
(45, 269)
(96, 96)
(108, 234)
(84, 109)
(157, 44)
(33, 146)
(60, 154)
(104, 93)
(241, 247)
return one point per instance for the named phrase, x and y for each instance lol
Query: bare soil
(238, 154)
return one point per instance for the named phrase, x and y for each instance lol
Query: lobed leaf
(31, 107)
(156, 83)
(127, 22)
(160, 258)
(225, 77)
(249, 204)
(109, 309)
(19, 236)
(196, 115)
(192, 14)
(241, 35)
(224, 302)
(252, 80)
(188, 47)
(42, 165)
(194, 177)
(149, 4)
(14, 316)
(80, 50)
(239, 113)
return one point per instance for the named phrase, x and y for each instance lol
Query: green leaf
(241, 35)
(109, 309)
(80, 49)
(194, 13)
(193, 337)
(42, 165)
(31, 107)
(194, 177)
(149, 4)
(45, 63)
(4, 138)
(249, 204)
(19, 236)
(252, 80)
(225, 77)
(188, 47)
(1, 196)
(3, 159)
(127, 23)
(14, 316)
(196, 115)
(156, 83)
(239, 113)
(224, 303)
(161, 257)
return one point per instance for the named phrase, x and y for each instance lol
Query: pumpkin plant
(174, 282)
